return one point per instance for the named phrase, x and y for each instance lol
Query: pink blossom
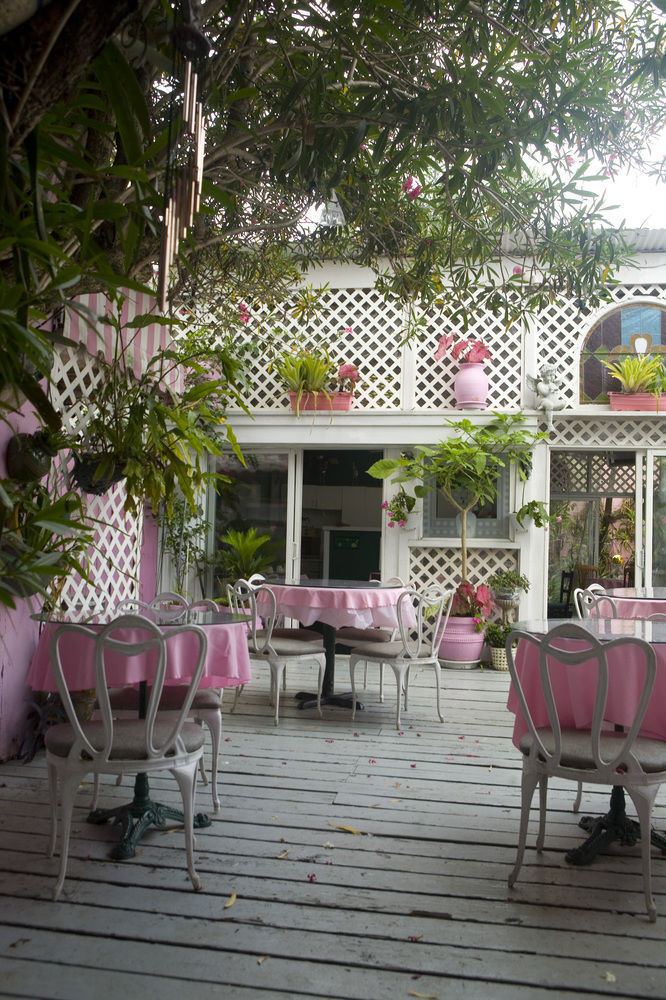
(385, 505)
(459, 348)
(408, 183)
(445, 342)
(415, 192)
(570, 161)
(517, 269)
(478, 352)
(348, 371)
(349, 329)
(391, 524)
(401, 524)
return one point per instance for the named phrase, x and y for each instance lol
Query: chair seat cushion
(297, 633)
(386, 651)
(171, 700)
(350, 636)
(128, 738)
(284, 646)
(576, 750)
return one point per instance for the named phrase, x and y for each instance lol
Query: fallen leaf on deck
(230, 901)
(424, 996)
(345, 829)
(609, 977)
(398, 784)
(312, 878)
(262, 959)
(283, 855)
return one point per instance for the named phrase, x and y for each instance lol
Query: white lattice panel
(434, 379)
(442, 565)
(620, 433)
(591, 474)
(114, 562)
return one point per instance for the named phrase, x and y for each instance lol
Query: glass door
(655, 519)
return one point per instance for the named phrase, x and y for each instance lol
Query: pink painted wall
(18, 634)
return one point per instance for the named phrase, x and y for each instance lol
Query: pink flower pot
(461, 645)
(637, 401)
(321, 401)
(471, 387)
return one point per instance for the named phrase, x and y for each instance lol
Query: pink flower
(348, 371)
(349, 329)
(442, 347)
(407, 183)
(477, 352)
(401, 524)
(517, 269)
(385, 505)
(459, 349)
(415, 192)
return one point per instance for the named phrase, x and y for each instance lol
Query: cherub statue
(548, 387)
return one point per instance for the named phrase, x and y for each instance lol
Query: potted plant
(496, 636)
(29, 456)
(466, 468)
(507, 583)
(312, 382)
(399, 508)
(245, 553)
(471, 382)
(641, 377)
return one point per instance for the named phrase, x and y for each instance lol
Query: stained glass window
(630, 329)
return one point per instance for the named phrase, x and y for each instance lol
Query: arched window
(639, 328)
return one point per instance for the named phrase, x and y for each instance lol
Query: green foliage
(466, 466)
(240, 556)
(184, 537)
(509, 579)
(305, 371)
(638, 373)
(496, 634)
(42, 538)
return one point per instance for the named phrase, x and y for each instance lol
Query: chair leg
(381, 680)
(405, 688)
(352, 670)
(277, 672)
(365, 677)
(579, 795)
(399, 672)
(53, 798)
(643, 799)
(187, 782)
(68, 787)
(543, 804)
(213, 720)
(528, 784)
(320, 684)
(438, 685)
(237, 696)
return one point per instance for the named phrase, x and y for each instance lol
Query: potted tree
(466, 467)
(641, 377)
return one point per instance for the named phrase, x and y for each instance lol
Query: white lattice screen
(442, 565)
(114, 562)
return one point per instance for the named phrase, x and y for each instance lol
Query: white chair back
(432, 607)
(108, 643)
(594, 603)
(242, 598)
(572, 645)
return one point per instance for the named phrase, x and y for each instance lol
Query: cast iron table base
(605, 830)
(137, 816)
(308, 700)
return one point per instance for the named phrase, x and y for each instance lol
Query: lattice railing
(442, 565)
(618, 433)
(114, 561)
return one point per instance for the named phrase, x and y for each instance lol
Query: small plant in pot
(506, 584)
(313, 381)
(496, 636)
(641, 378)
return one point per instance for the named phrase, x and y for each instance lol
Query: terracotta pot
(637, 401)
(321, 401)
(471, 387)
(461, 645)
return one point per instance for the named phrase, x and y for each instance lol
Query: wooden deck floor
(348, 861)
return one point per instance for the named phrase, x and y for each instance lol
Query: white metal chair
(275, 646)
(416, 645)
(348, 637)
(75, 749)
(207, 702)
(597, 755)
(594, 602)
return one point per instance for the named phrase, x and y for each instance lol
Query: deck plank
(413, 903)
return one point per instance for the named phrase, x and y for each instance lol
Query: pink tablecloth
(227, 659)
(632, 607)
(574, 690)
(360, 607)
